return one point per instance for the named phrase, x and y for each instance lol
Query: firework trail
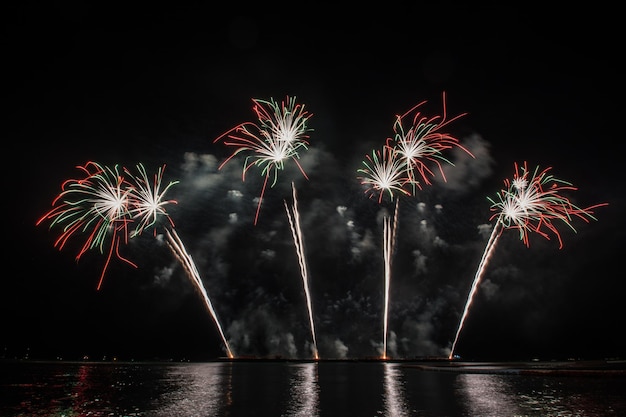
(530, 203)
(147, 206)
(96, 205)
(384, 174)
(400, 166)
(389, 233)
(281, 132)
(294, 223)
(177, 247)
(106, 204)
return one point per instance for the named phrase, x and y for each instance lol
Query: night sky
(158, 86)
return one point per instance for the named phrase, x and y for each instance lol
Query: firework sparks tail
(491, 244)
(176, 246)
(445, 121)
(115, 247)
(258, 207)
(296, 231)
(106, 264)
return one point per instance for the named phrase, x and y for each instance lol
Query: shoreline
(599, 367)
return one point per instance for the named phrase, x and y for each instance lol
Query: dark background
(157, 85)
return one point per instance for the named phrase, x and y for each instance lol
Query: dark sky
(157, 86)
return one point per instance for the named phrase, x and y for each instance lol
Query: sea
(276, 388)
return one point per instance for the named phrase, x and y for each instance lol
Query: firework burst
(106, 205)
(147, 199)
(423, 142)
(281, 133)
(403, 163)
(383, 173)
(96, 205)
(531, 202)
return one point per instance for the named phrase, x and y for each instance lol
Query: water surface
(300, 388)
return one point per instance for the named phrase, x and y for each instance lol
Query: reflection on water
(534, 395)
(76, 389)
(393, 395)
(487, 395)
(304, 391)
(290, 389)
(82, 396)
(196, 390)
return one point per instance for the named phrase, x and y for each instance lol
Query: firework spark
(281, 133)
(530, 203)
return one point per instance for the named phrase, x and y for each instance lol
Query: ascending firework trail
(280, 134)
(111, 207)
(528, 203)
(399, 166)
(296, 231)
